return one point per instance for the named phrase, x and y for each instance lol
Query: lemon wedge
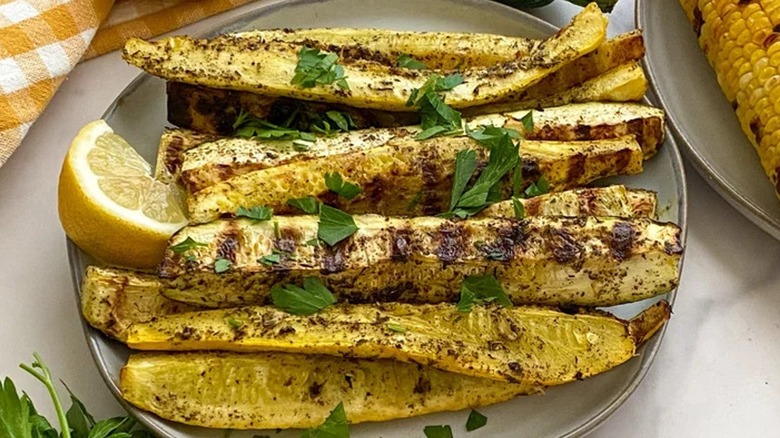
(109, 203)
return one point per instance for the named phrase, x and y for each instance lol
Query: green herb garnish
(271, 259)
(235, 323)
(504, 156)
(310, 299)
(491, 135)
(439, 431)
(337, 185)
(528, 122)
(257, 213)
(251, 126)
(480, 289)
(517, 205)
(20, 419)
(221, 265)
(540, 187)
(318, 68)
(398, 328)
(186, 245)
(335, 225)
(475, 421)
(406, 61)
(437, 118)
(335, 426)
(308, 205)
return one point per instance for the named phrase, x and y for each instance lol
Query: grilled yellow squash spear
(215, 110)
(545, 260)
(268, 67)
(741, 41)
(533, 345)
(279, 390)
(223, 158)
(114, 299)
(402, 177)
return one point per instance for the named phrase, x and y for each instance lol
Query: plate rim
(724, 188)
(649, 350)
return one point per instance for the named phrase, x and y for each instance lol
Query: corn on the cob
(280, 390)
(545, 260)
(534, 345)
(742, 42)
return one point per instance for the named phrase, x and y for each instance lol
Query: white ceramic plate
(699, 114)
(138, 114)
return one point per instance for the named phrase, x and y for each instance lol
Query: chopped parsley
(308, 205)
(528, 122)
(437, 118)
(406, 61)
(439, 431)
(310, 299)
(316, 67)
(480, 289)
(335, 225)
(186, 245)
(517, 206)
(540, 187)
(335, 426)
(475, 421)
(398, 328)
(235, 323)
(257, 213)
(504, 156)
(337, 185)
(222, 265)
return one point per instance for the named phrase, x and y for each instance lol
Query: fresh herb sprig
(335, 426)
(335, 225)
(257, 213)
(186, 245)
(308, 300)
(20, 419)
(316, 67)
(436, 117)
(407, 61)
(504, 156)
(336, 184)
(308, 205)
(479, 289)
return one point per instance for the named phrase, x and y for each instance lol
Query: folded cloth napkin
(42, 40)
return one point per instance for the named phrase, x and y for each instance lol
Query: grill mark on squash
(563, 246)
(452, 242)
(228, 242)
(622, 240)
(622, 160)
(401, 246)
(576, 168)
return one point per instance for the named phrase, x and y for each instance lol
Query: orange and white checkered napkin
(42, 40)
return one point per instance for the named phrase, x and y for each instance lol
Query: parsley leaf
(308, 205)
(310, 299)
(528, 122)
(440, 431)
(465, 164)
(406, 61)
(504, 156)
(318, 68)
(14, 411)
(398, 328)
(540, 187)
(335, 426)
(234, 323)
(479, 289)
(437, 118)
(475, 421)
(517, 205)
(222, 265)
(271, 259)
(491, 135)
(335, 225)
(337, 185)
(251, 126)
(186, 245)
(257, 213)
(342, 120)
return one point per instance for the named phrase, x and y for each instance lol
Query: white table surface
(717, 372)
